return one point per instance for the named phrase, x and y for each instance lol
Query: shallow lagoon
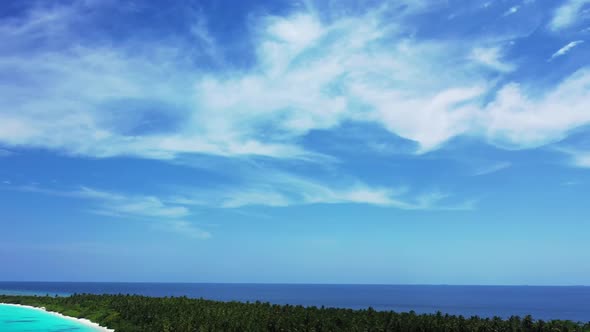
(23, 319)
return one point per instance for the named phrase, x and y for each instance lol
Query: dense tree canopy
(132, 313)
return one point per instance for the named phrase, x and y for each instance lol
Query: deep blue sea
(541, 302)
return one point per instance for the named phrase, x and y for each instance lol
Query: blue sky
(421, 142)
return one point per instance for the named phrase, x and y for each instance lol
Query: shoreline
(82, 321)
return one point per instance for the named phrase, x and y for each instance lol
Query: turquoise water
(19, 319)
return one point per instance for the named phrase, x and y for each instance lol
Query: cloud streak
(277, 189)
(564, 50)
(577, 157)
(493, 168)
(168, 217)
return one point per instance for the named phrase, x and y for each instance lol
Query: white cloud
(142, 207)
(491, 57)
(308, 74)
(245, 197)
(515, 119)
(268, 188)
(567, 14)
(565, 49)
(277, 189)
(578, 157)
(185, 228)
(116, 204)
(512, 10)
(69, 100)
(306, 78)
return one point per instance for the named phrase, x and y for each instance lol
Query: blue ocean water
(546, 303)
(19, 319)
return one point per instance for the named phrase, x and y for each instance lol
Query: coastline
(82, 321)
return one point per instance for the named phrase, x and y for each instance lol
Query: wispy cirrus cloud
(273, 189)
(166, 216)
(493, 168)
(577, 157)
(278, 189)
(491, 57)
(114, 204)
(564, 50)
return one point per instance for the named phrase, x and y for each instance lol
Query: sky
(373, 142)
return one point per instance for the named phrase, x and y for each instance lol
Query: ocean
(542, 302)
(21, 319)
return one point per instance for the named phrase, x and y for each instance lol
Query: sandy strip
(83, 321)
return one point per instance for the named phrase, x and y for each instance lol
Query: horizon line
(294, 283)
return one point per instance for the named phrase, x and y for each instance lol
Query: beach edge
(82, 321)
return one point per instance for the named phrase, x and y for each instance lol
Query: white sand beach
(83, 321)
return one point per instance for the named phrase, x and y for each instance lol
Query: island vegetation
(132, 313)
